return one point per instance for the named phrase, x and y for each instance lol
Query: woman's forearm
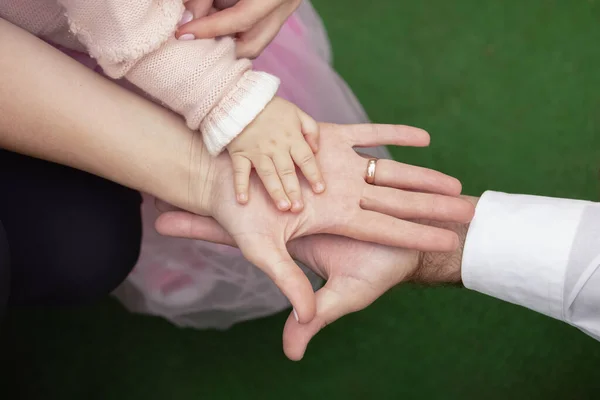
(53, 108)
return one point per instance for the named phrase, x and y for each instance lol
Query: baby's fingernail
(295, 314)
(319, 187)
(185, 18)
(187, 36)
(242, 197)
(297, 205)
(283, 204)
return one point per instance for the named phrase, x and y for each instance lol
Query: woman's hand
(350, 207)
(255, 23)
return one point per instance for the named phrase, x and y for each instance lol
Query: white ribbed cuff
(517, 249)
(238, 109)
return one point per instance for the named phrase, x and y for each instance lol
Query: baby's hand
(281, 137)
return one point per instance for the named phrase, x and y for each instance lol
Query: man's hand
(255, 23)
(357, 273)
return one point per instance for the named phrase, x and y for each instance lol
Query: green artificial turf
(510, 92)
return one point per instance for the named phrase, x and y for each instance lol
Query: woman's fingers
(196, 9)
(239, 18)
(403, 176)
(276, 262)
(371, 226)
(414, 205)
(370, 135)
(251, 43)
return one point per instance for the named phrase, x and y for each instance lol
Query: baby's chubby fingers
(241, 177)
(268, 175)
(287, 173)
(305, 159)
(310, 130)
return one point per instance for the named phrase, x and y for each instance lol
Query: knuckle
(264, 167)
(287, 172)
(239, 170)
(266, 150)
(306, 158)
(266, 173)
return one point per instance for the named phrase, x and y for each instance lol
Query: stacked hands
(363, 237)
(364, 225)
(330, 234)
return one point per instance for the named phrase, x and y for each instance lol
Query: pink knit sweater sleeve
(199, 79)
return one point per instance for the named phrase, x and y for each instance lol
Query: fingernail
(297, 205)
(295, 315)
(187, 36)
(242, 197)
(185, 18)
(283, 204)
(319, 187)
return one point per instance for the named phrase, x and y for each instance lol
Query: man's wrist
(437, 268)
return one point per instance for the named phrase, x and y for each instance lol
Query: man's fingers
(241, 177)
(183, 224)
(239, 18)
(371, 226)
(370, 135)
(276, 262)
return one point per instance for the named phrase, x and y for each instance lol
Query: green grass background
(510, 94)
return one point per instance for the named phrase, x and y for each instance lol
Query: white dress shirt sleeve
(538, 252)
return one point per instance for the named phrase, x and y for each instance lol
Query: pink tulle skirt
(203, 285)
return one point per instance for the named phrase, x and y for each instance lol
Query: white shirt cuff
(517, 249)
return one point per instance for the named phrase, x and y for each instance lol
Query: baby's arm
(203, 81)
(199, 79)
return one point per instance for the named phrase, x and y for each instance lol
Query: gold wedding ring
(371, 167)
